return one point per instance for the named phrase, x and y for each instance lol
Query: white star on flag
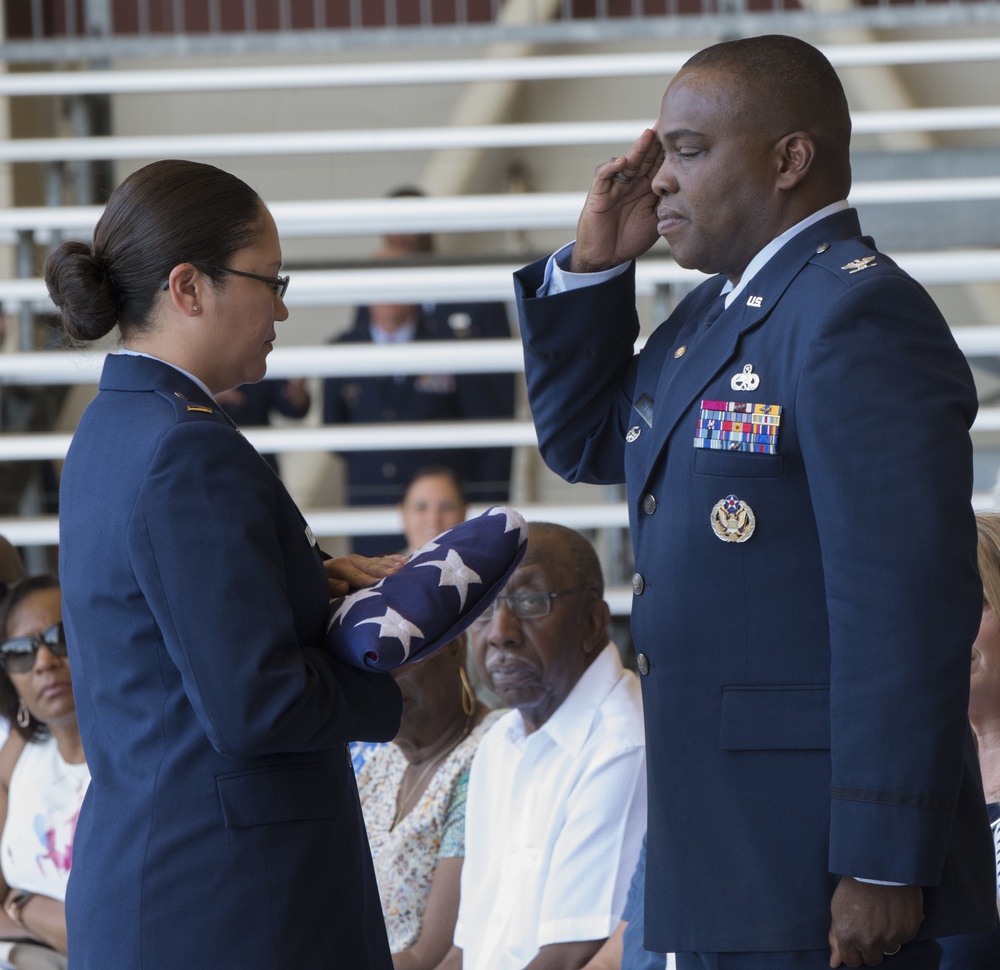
(514, 521)
(349, 601)
(396, 625)
(455, 573)
(426, 547)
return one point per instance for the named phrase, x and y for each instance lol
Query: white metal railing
(376, 140)
(357, 360)
(445, 284)
(472, 213)
(441, 71)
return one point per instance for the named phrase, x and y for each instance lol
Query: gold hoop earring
(23, 715)
(468, 694)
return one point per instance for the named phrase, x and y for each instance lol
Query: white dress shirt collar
(570, 723)
(761, 259)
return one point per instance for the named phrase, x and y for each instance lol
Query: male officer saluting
(799, 478)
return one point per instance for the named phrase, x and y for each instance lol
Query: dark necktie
(715, 309)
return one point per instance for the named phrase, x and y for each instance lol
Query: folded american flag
(434, 597)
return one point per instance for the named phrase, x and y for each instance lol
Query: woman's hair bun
(80, 284)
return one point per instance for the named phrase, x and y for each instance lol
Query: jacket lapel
(710, 350)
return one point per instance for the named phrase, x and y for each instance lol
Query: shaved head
(777, 85)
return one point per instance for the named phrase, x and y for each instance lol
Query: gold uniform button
(680, 351)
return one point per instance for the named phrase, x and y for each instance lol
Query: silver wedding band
(892, 953)
(622, 177)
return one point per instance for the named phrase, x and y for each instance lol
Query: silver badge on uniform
(747, 380)
(633, 433)
(733, 520)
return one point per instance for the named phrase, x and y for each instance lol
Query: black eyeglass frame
(512, 599)
(278, 284)
(54, 638)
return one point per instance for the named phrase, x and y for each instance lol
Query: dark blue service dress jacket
(805, 690)
(222, 826)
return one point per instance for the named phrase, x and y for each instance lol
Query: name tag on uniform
(645, 408)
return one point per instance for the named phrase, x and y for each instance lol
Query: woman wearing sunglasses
(43, 774)
(222, 826)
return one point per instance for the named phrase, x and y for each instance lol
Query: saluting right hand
(618, 222)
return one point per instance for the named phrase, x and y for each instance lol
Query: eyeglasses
(278, 284)
(17, 655)
(530, 604)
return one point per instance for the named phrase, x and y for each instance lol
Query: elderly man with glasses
(557, 795)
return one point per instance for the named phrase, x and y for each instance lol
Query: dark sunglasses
(17, 655)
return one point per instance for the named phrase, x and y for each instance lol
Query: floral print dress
(405, 856)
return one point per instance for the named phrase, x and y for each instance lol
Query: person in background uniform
(222, 827)
(795, 444)
(253, 405)
(378, 477)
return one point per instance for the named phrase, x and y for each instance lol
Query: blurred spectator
(981, 951)
(252, 405)
(11, 572)
(624, 950)
(43, 774)
(434, 501)
(378, 477)
(413, 792)
(11, 567)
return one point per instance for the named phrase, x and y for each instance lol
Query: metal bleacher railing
(322, 218)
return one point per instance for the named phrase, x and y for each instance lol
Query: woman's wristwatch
(16, 901)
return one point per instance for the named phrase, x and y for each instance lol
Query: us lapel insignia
(747, 380)
(633, 433)
(755, 301)
(733, 520)
(857, 265)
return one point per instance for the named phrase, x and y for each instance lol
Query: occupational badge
(633, 433)
(733, 520)
(745, 381)
(857, 265)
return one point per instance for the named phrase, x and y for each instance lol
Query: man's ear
(796, 154)
(185, 284)
(598, 619)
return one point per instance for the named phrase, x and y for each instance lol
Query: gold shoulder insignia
(857, 265)
(198, 407)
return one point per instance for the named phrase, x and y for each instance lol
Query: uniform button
(638, 584)
(649, 503)
(643, 663)
(822, 248)
(680, 351)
